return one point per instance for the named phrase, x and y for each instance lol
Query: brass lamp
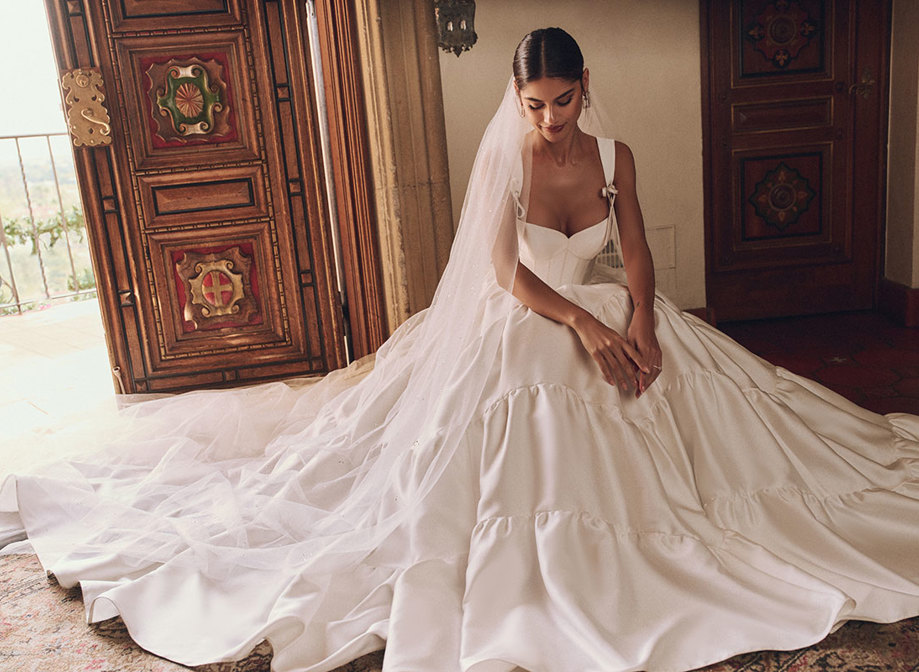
(455, 25)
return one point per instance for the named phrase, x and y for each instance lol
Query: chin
(556, 136)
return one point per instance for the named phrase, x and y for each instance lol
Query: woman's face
(553, 106)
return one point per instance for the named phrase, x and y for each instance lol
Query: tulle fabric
(423, 390)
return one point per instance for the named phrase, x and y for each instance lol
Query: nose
(550, 115)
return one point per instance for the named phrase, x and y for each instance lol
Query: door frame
(395, 226)
(365, 311)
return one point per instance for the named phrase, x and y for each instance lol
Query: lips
(554, 129)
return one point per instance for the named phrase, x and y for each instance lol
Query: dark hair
(547, 52)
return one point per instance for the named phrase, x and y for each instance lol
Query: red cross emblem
(217, 289)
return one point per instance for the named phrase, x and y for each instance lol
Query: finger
(624, 369)
(605, 368)
(619, 371)
(649, 378)
(636, 356)
(622, 380)
(655, 373)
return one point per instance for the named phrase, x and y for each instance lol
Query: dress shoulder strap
(607, 147)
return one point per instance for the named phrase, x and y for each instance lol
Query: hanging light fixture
(455, 25)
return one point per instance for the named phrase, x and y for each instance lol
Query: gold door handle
(863, 88)
(87, 118)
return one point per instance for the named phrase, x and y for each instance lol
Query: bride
(551, 468)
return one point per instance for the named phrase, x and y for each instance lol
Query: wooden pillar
(408, 149)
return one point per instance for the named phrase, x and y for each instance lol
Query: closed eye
(562, 100)
(561, 103)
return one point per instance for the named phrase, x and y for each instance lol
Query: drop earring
(586, 99)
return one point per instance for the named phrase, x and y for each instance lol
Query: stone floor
(53, 366)
(863, 356)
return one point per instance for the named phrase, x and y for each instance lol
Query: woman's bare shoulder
(623, 149)
(625, 164)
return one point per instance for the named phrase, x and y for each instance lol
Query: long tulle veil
(275, 478)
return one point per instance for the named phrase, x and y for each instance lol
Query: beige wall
(902, 255)
(644, 64)
(644, 61)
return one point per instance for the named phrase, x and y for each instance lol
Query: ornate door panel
(211, 245)
(794, 98)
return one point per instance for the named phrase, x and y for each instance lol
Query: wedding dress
(540, 518)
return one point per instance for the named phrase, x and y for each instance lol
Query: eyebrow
(537, 100)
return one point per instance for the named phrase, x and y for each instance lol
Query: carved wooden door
(794, 118)
(202, 189)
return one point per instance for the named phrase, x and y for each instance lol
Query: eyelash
(561, 103)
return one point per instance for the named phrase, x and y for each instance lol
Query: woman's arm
(616, 357)
(639, 269)
(633, 361)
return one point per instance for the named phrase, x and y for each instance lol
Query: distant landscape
(34, 106)
(51, 220)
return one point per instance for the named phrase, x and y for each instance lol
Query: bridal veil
(176, 481)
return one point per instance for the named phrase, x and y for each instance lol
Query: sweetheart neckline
(563, 234)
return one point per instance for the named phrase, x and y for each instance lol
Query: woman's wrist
(643, 307)
(578, 318)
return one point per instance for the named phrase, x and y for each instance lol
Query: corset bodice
(558, 259)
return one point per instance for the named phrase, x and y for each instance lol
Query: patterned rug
(42, 630)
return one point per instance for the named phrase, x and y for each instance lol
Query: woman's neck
(566, 152)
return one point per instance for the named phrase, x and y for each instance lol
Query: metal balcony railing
(45, 256)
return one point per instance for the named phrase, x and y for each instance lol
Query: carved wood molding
(212, 264)
(353, 184)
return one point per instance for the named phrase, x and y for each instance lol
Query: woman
(566, 169)
(493, 494)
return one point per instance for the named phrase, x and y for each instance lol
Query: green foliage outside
(23, 245)
(19, 230)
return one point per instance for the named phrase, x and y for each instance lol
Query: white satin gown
(733, 507)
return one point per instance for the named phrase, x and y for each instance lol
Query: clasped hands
(633, 362)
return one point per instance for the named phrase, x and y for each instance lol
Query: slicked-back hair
(547, 52)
